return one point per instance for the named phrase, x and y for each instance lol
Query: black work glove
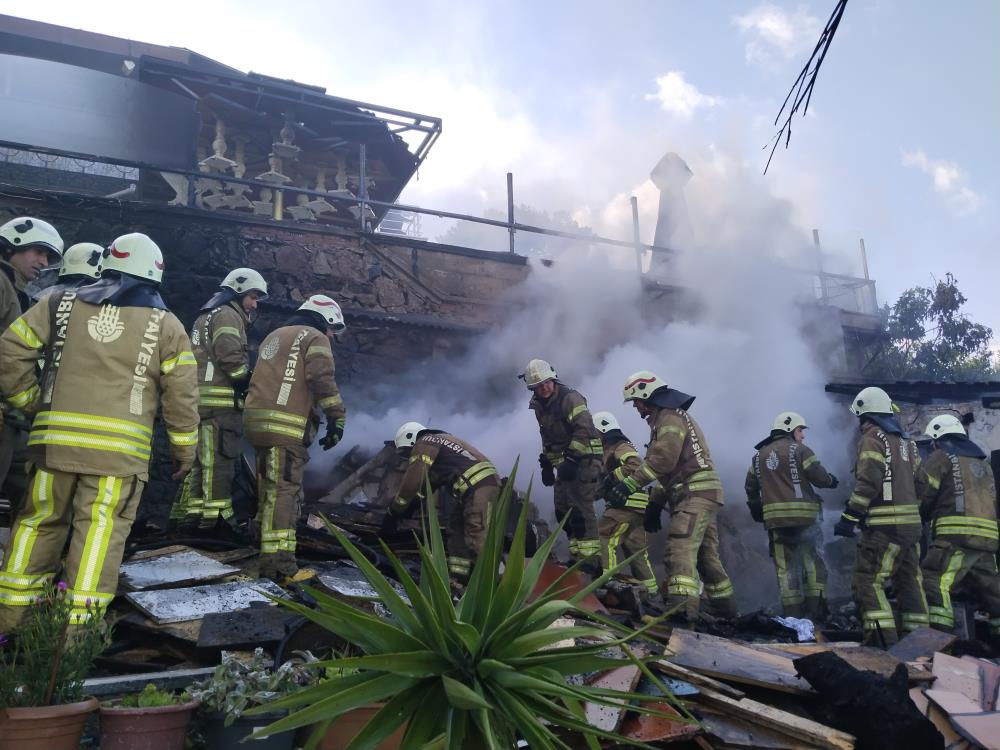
(566, 471)
(756, 511)
(618, 495)
(334, 433)
(548, 474)
(845, 527)
(240, 389)
(833, 482)
(651, 519)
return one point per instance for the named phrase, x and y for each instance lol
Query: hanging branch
(801, 92)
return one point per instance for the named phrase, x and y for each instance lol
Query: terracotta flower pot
(157, 728)
(45, 727)
(346, 727)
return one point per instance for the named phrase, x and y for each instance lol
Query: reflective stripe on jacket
(219, 343)
(884, 497)
(620, 460)
(448, 461)
(781, 478)
(566, 425)
(958, 496)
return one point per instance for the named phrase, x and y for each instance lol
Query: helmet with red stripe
(136, 255)
(327, 309)
(641, 385)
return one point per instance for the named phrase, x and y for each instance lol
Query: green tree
(926, 336)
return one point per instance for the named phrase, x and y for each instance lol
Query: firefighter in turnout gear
(678, 458)
(294, 376)
(958, 498)
(219, 341)
(114, 355)
(27, 245)
(884, 503)
(82, 263)
(452, 463)
(621, 525)
(571, 455)
(780, 494)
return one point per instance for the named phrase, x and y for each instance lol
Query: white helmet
(605, 421)
(787, 421)
(641, 385)
(243, 280)
(944, 424)
(537, 372)
(406, 435)
(83, 259)
(872, 400)
(328, 309)
(27, 231)
(137, 255)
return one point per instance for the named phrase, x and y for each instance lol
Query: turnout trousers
(800, 569)
(467, 524)
(622, 528)
(577, 497)
(279, 490)
(96, 513)
(879, 559)
(207, 494)
(692, 558)
(945, 566)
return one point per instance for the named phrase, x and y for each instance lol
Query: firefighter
(219, 341)
(884, 503)
(621, 524)
(678, 458)
(449, 462)
(82, 263)
(780, 494)
(294, 374)
(27, 245)
(113, 356)
(958, 498)
(571, 455)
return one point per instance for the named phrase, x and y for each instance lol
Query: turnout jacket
(621, 458)
(219, 343)
(958, 497)
(294, 375)
(884, 497)
(566, 425)
(448, 461)
(107, 370)
(678, 457)
(781, 478)
(13, 297)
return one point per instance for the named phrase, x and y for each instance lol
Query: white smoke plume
(742, 352)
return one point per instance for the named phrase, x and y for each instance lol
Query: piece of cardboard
(921, 642)
(959, 676)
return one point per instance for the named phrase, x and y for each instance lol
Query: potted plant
(237, 686)
(149, 720)
(486, 671)
(42, 669)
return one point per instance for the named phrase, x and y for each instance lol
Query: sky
(580, 100)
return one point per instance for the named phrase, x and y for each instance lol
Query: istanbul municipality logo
(105, 327)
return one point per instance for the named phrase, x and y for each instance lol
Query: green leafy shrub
(484, 672)
(150, 697)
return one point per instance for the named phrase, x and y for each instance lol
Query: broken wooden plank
(983, 729)
(174, 679)
(244, 628)
(732, 732)
(700, 680)
(608, 718)
(185, 630)
(919, 699)
(860, 657)
(176, 605)
(805, 730)
(177, 567)
(921, 642)
(958, 676)
(735, 661)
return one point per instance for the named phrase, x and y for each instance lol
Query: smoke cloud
(728, 326)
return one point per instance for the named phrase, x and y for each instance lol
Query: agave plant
(485, 671)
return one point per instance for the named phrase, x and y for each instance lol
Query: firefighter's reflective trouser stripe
(207, 495)
(279, 487)
(576, 497)
(798, 561)
(622, 528)
(98, 510)
(944, 567)
(877, 560)
(692, 557)
(467, 525)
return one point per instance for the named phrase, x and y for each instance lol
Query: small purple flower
(61, 586)
(3, 639)
(87, 604)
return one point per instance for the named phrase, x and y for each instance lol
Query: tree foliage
(926, 336)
